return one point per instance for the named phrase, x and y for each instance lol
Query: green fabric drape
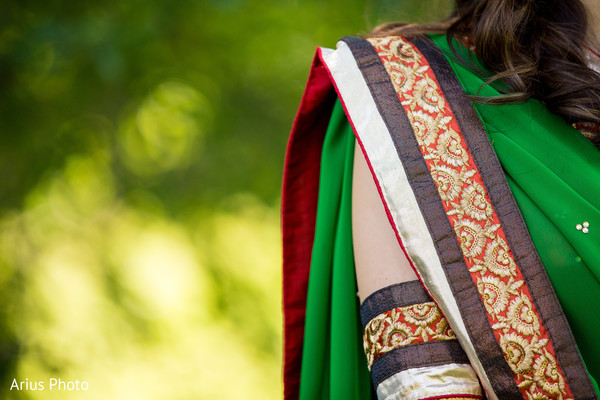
(554, 174)
(333, 362)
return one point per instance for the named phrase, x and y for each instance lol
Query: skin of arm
(379, 259)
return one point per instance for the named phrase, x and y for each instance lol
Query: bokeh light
(142, 145)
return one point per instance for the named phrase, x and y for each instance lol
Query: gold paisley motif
(422, 314)
(402, 79)
(449, 181)
(498, 260)
(474, 202)
(547, 376)
(450, 150)
(518, 352)
(471, 236)
(427, 97)
(404, 51)
(426, 128)
(521, 316)
(403, 326)
(396, 335)
(375, 327)
(496, 293)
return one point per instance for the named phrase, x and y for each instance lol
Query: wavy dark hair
(536, 47)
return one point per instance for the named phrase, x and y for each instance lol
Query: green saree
(333, 362)
(554, 175)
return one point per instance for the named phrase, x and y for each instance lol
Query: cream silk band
(430, 382)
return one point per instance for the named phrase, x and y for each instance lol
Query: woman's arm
(380, 262)
(379, 259)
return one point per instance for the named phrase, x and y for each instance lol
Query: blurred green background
(141, 151)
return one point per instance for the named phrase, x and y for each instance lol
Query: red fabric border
(298, 213)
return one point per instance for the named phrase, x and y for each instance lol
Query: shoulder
(406, 63)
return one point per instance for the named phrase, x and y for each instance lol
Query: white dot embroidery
(584, 227)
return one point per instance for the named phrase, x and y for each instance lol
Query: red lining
(298, 213)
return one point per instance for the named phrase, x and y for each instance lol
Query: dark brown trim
(449, 252)
(426, 354)
(393, 296)
(515, 230)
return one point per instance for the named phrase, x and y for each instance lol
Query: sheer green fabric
(554, 174)
(333, 362)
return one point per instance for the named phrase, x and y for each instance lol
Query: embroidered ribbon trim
(403, 326)
(512, 315)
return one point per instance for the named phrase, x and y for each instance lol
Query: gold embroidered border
(511, 312)
(403, 326)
